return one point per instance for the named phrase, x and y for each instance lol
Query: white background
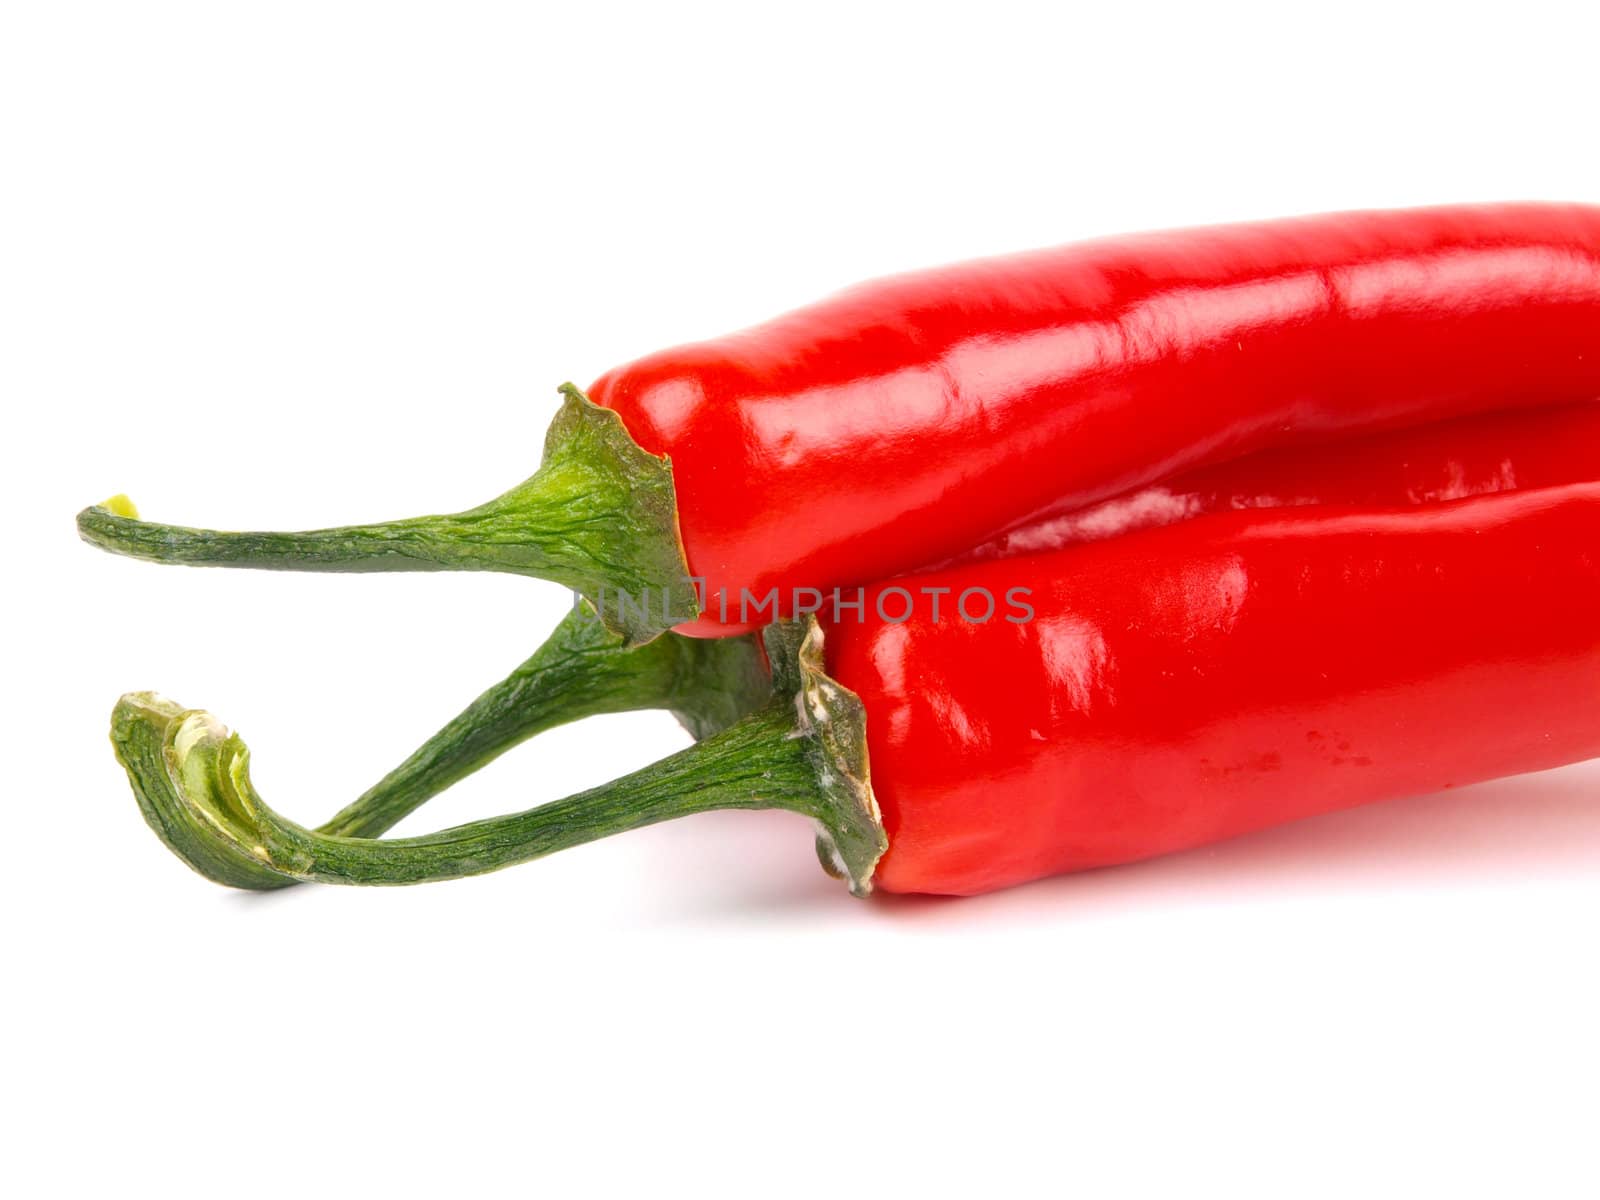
(296, 264)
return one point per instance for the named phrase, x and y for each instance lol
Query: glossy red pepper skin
(1187, 684)
(907, 420)
(1429, 464)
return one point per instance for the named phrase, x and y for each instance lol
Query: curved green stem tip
(185, 769)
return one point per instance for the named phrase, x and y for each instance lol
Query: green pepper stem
(599, 516)
(750, 765)
(805, 751)
(583, 670)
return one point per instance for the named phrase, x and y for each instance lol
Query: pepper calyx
(833, 722)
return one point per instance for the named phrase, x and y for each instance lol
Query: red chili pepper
(1191, 683)
(909, 420)
(1170, 688)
